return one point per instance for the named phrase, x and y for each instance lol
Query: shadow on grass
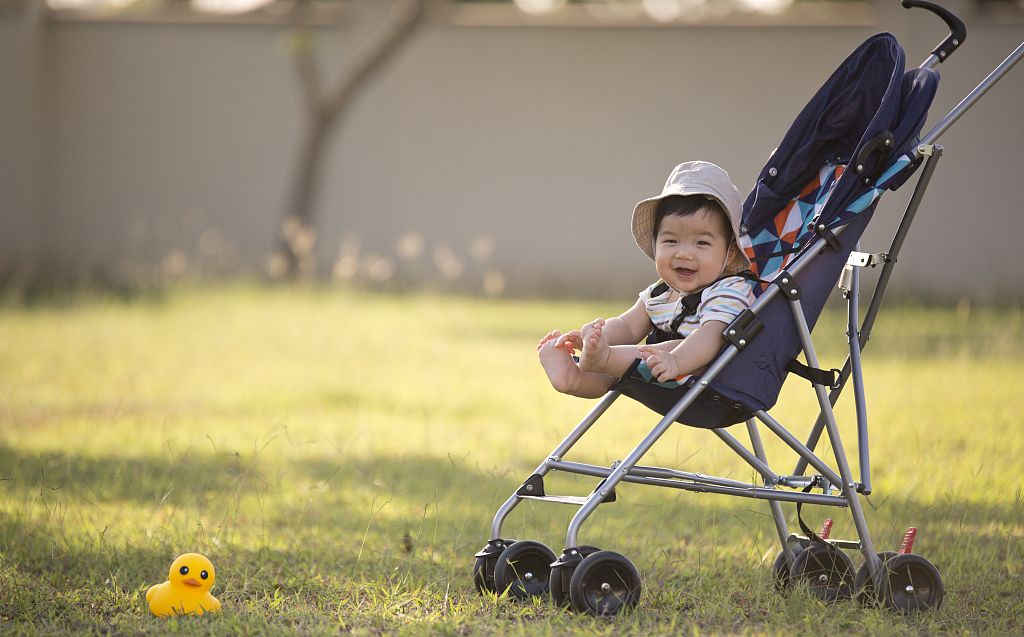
(319, 534)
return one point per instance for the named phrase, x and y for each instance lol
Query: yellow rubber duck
(187, 591)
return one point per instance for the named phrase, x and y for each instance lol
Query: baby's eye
(183, 570)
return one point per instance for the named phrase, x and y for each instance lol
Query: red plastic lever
(908, 541)
(826, 529)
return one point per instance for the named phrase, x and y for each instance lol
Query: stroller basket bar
(706, 485)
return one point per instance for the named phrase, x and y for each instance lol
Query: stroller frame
(610, 583)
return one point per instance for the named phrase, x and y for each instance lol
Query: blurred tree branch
(324, 107)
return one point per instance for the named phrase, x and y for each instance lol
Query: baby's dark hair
(686, 205)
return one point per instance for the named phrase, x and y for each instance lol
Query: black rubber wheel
(912, 584)
(483, 567)
(483, 578)
(863, 587)
(826, 570)
(781, 579)
(604, 584)
(524, 569)
(559, 585)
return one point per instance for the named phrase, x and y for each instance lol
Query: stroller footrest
(533, 489)
(578, 500)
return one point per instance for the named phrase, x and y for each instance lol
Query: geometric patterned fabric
(790, 228)
(793, 227)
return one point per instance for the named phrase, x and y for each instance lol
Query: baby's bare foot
(558, 364)
(594, 357)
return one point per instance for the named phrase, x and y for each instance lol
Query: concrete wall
(20, 139)
(173, 144)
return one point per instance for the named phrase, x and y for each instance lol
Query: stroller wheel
(827, 570)
(780, 572)
(605, 583)
(483, 568)
(484, 583)
(561, 574)
(911, 583)
(524, 569)
(864, 588)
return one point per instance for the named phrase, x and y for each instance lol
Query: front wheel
(561, 574)
(604, 584)
(524, 569)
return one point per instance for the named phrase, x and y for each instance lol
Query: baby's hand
(663, 365)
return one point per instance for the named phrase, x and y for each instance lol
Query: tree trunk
(324, 109)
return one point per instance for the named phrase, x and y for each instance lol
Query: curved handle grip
(957, 28)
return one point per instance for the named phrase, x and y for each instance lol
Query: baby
(689, 231)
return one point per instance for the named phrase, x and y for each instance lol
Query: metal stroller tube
(973, 97)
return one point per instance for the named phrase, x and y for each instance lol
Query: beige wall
(149, 135)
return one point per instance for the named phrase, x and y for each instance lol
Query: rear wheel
(826, 570)
(863, 586)
(912, 583)
(780, 572)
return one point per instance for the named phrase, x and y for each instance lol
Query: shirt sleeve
(725, 300)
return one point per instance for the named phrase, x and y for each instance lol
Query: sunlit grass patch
(340, 456)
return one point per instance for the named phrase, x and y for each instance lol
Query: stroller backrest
(805, 183)
(809, 187)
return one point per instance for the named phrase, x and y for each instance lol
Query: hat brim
(642, 226)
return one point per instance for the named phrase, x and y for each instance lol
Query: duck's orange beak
(191, 582)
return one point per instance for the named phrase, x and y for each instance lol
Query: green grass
(339, 456)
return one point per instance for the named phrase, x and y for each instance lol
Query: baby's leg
(565, 375)
(600, 357)
(595, 352)
(558, 364)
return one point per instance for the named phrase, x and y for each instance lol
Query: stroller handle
(957, 31)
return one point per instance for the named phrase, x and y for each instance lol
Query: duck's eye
(183, 570)
(204, 575)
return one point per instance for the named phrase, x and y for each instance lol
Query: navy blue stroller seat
(802, 224)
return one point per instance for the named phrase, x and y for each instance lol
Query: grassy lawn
(340, 455)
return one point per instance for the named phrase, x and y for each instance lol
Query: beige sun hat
(694, 178)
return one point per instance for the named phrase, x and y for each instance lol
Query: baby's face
(690, 252)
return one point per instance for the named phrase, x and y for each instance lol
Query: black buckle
(743, 329)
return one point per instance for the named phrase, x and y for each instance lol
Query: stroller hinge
(866, 259)
(788, 286)
(859, 260)
(830, 237)
(534, 486)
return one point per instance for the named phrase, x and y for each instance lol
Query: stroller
(858, 137)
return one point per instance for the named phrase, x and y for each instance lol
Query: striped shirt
(721, 301)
